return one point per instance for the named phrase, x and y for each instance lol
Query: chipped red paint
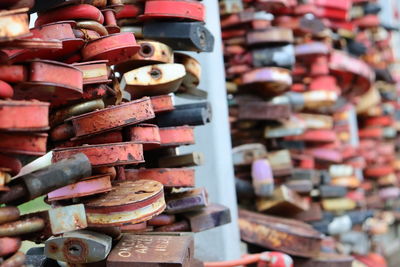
(179, 177)
(105, 155)
(162, 103)
(23, 143)
(35, 116)
(173, 9)
(114, 47)
(113, 117)
(177, 136)
(146, 134)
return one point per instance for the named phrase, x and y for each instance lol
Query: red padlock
(174, 9)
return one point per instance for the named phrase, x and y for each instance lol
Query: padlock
(186, 36)
(186, 115)
(14, 24)
(262, 178)
(338, 204)
(281, 162)
(9, 214)
(181, 226)
(329, 191)
(162, 103)
(279, 56)
(314, 213)
(121, 206)
(104, 155)
(112, 118)
(79, 247)
(272, 35)
(283, 201)
(110, 21)
(256, 229)
(59, 116)
(150, 53)
(303, 187)
(246, 154)
(72, 12)
(188, 200)
(193, 73)
(146, 134)
(177, 136)
(177, 177)
(62, 31)
(161, 220)
(153, 80)
(334, 260)
(113, 47)
(213, 215)
(263, 111)
(94, 71)
(152, 250)
(36, 184)
(181, 10)
(105, 138)
(36, 118)
(186, 160)
(87, 187)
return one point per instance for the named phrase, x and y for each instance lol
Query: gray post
(222, 243)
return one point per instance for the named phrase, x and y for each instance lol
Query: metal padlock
(211, 216)
(283, 201)
(188, 200)
(177, 136)
(187, 160)
(14, 24)
(262, 178)
(263, 111)
(338, 204)
(79, 247)
(300, 186)
(281, 162)
(150, 53)
(87, 187)
(258, 229)
(38, 183)
(186, 36)
(176, 177)
(174, 10)
(314, 213)
(186, 115)
(127, 202)
(146, 134)
(331, 191)
(162, 103)
(280, 56)
(153, 80)
(94, 71)
(152, 250)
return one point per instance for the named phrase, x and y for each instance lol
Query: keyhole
(146, 50)
(75, 250)
(155, 74)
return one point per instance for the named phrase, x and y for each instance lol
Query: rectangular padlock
(152, 250)
(176, 177)
(14, 24)
(185, 201)
(263, 111)
(246, 154)
(300, 186)
(278, 56)
(284, 201)
(304, 174)
(192, 116)
(281, 162)
(333, 260)
(330, 191)
(212, 216)
(187, 160)
(94, 71)
(292, 237)
(338, 204)
(185, 36)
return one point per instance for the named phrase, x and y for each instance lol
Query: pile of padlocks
(313, 104)
(93, 83)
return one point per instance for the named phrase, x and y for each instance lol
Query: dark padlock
(279, 56)
(329, 191)
(211, 216)
(38, 183)
(193, 116)
(186, 160)
(185, 36)
(189, 200)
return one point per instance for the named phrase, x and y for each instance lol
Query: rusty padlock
(152, 250)
(120, 206)
(79, 247)
(177, 177)
(188, 200)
